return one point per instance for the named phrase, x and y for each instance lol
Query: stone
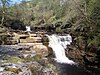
(27, 53)
(14, 59)
(2, 69)
(15, 69)
(40, 49)
(37, 68)
(27, 40)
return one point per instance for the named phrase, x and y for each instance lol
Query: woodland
(80, 18)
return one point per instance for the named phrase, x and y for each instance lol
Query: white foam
(59, 46)
(28, 29)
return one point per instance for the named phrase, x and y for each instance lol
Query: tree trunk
(2, 20)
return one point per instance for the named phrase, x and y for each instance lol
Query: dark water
(6, 53)
(62, 68)
(67, 69)
(65, 65)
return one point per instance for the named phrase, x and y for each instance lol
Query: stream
(63, 64)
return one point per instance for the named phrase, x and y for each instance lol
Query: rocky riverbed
(36, 59)
(25, 60)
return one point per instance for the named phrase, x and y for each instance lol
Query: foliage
(83, 16)
(32, 12)
(3, 4)
(89, 24)
(94, 14)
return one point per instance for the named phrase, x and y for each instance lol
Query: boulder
(27, 53)
(40, 49)
(42, 68)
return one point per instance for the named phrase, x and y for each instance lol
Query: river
(64, 65)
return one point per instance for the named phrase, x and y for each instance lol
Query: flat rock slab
(14, 69)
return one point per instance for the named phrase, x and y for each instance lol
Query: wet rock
(28, 60)
(7, 73)
(14, 59)
(25, 53)
(2, 69)
(40, 50)
(38, 68)
(82, 57)
(15, 69)
(75, 54)
(8, 51)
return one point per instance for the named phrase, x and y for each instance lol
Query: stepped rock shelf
(31, 43)
(24, 37)
(25, 54)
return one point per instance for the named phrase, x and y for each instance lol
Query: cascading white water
(59, 44)
(28, 29)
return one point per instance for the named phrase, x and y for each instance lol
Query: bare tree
(3, 3)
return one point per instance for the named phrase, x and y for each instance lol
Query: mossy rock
(38, 57)
(27, 59)
(59, 30)
(2, 30)
(14, 60)
(15, 70)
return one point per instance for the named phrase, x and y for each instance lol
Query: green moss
(14, 60)
(28, 59)
(2, 30)
(59, 30)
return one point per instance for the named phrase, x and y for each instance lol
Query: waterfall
(28, 28)
(59, 44)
